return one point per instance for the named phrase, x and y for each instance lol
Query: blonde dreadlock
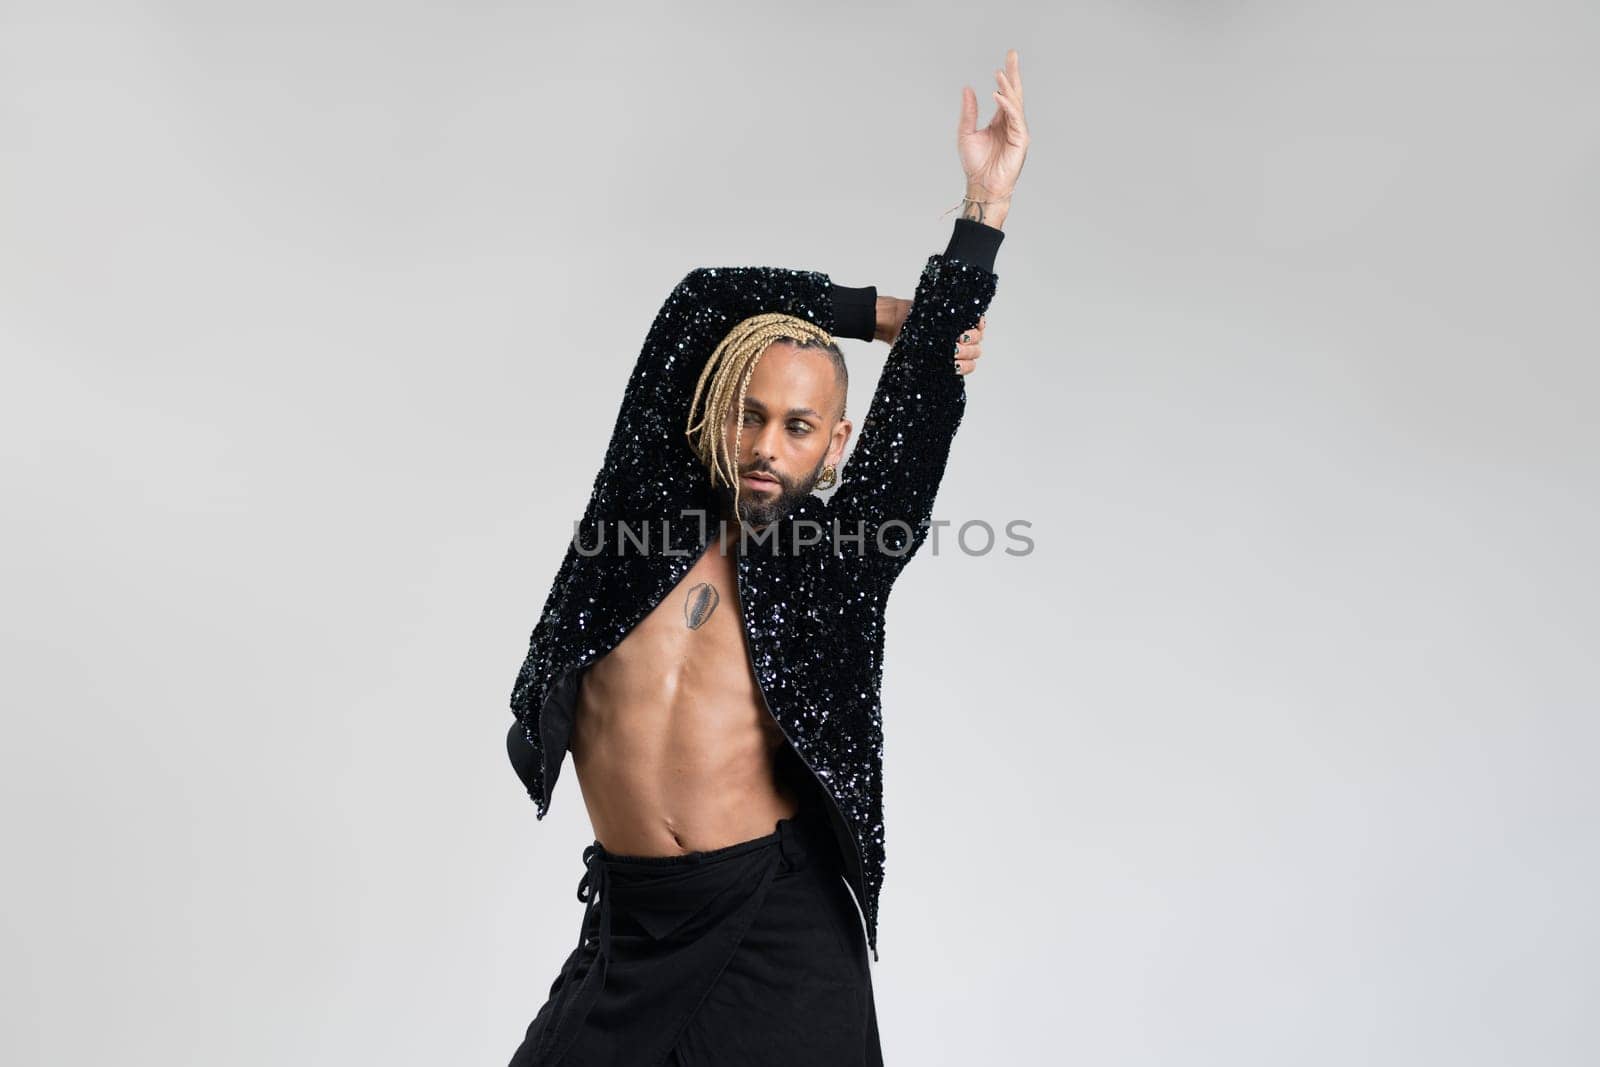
(729, 370)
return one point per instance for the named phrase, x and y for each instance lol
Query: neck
(728, 515)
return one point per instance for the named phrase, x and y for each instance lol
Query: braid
(729, 371)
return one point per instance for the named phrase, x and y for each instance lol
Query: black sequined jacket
(813, 608)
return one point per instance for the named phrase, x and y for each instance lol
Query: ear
(841, 437)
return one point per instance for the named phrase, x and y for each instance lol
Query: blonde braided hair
(729, 371)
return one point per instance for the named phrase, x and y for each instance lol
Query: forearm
(891, 478)
(971, 242)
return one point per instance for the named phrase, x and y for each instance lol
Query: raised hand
(992, 157)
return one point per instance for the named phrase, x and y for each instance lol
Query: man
(711, 650)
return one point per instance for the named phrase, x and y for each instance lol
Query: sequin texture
(814, 615)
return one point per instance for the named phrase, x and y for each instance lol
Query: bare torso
(673, 747)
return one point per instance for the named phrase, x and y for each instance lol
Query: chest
(696, 632)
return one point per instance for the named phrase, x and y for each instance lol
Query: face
(789, 432)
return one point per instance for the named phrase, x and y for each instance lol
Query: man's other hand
(969, 347)
(891, 315)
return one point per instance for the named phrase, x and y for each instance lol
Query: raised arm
(888, 483)
(884, 504)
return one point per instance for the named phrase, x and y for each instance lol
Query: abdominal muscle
(672, 744)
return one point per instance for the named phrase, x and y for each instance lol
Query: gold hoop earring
(829, 476)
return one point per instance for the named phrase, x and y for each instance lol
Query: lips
(761, 479)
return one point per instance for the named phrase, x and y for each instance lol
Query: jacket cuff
(974, 243)
(855, 311)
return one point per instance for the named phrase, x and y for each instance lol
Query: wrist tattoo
(973, 210)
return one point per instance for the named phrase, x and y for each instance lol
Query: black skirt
(751, 953)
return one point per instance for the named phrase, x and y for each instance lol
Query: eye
(800, 427)
(750, 417)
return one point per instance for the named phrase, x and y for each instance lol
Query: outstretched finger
(1011, 87)
(968, 121)
(1012, 111)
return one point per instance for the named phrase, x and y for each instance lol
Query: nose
(761, 444)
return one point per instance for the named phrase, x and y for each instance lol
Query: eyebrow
(752, 402)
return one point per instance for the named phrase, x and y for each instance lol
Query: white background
(1278, 749)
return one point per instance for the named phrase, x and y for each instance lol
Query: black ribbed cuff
(974, 243)
(855, 311)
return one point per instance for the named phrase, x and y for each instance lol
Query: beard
(759, 508)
